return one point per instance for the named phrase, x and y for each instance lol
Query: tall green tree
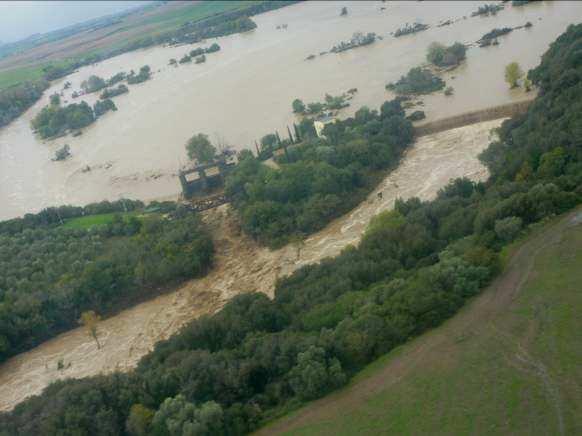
(513, 73)
(200, 148)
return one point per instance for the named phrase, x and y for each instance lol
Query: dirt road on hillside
(438, 345)
(241, 266)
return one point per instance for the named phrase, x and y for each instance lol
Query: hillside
(506, 364)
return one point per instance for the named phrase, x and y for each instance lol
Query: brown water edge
(241, 266)
(245, 91)
(503, 111)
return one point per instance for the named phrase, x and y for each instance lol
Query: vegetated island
(55, 120)
(114, 92)
(415, 267)
(95, 83)
(331, 103)
(490, 38)
(442, 56)
(409, 29)
(417, 81)
(487, 10)
(198, 54)
(358, 39)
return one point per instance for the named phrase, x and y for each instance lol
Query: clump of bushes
(443, 56)
(417, 81)
(143, 75)
(103, 106)
(416, 116)
(54, 120)
(114, 92)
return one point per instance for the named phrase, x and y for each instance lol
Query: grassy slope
(513, 370)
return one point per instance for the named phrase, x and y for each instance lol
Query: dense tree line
(143, 75)
(102, 106)
(114, 92)
(318, 179)
(54, 120)
(416, 266)
(53, 216)
(49, 274)
(15, 100)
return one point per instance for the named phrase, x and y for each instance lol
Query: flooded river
(245, 91)
(240, 266)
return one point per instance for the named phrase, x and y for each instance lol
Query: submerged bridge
(468, 118)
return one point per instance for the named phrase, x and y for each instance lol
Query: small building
(203, 179)
(320, 124)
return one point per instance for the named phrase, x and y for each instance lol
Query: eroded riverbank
(241, 266)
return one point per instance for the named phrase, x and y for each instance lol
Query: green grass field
(85, 222)
(514, 369)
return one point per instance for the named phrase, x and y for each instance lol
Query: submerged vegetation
(417, 81)
(114, 92)
(415, 267)
(410, 29)
(93, 84)
(490, 38)
(358, 40)
(103, 106)
(143, 75)
(443, 56)
(62, 153)
(513, 73)
(54, 120)
(198, 54)
(331, 103)
(487, 9)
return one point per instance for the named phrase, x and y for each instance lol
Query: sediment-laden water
(245, 91)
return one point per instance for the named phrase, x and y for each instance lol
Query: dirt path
(442, 343)
(241, 266)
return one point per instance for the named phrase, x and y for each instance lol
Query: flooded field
(241, 266)
(245, 91)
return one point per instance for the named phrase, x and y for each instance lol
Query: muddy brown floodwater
(245, 91)
(241, 266)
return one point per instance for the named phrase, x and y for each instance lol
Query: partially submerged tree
(298, 106)
(62, 153)
(513, 73)
(90, 320)
(93, 84)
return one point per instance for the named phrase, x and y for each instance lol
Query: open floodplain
(245, 91)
